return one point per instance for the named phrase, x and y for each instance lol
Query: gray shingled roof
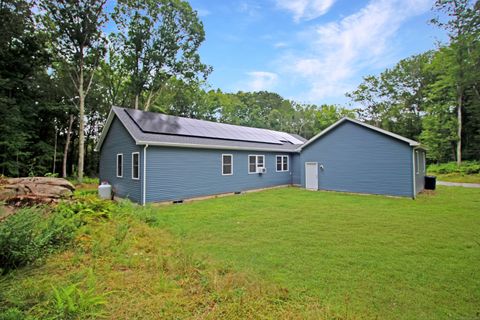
(142, 137)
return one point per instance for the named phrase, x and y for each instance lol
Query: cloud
(280, 45)
(337, 51)
(305, 9)
(251, 9)
(260, 80)
(203, 12)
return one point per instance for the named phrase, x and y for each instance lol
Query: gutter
(144, 195)
(215, 147)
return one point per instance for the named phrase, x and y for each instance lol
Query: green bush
(86, 180)
(12, 314)
(33, 232)
(467, 167)
(21, 240)
(71, 302)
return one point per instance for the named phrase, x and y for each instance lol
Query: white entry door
(311, 175)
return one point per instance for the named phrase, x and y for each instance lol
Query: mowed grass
(458, 177)
(360, 256)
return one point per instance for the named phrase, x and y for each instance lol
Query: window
(227, 164)
(418, 161)
(119, 165)
(135, 165)
(282, 163)
(254, 162)
(424, 161)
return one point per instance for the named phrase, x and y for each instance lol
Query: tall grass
(467, 167)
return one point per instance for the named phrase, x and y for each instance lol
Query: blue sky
(312, 51)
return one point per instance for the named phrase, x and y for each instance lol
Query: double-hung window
(120, 165)
(227, 164)
(255, 162)
(135, 165)
(282, 163)
(417, 158)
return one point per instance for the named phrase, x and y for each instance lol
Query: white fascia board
(106, 128)
(208, 146)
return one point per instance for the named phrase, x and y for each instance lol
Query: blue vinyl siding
(358, 159)
(182, 173)
(295, 163)
(118, 140)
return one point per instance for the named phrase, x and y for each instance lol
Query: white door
(311, 175)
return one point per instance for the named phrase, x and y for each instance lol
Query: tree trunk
(55, 150)
(67, 145)
(81, 121)
(459, 124)
(136, 102)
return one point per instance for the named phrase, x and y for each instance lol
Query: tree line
(433, 97)
(61, 71)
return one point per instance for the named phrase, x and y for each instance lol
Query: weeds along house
(151, 157)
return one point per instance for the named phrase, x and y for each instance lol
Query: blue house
(152, 157)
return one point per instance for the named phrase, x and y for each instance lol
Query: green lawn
(361, 256)
(278, 254)
(457, 177)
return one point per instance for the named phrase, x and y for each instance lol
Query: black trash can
(430, 182)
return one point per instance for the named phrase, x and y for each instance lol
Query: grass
(279, 254)
(457, 177)
(368, 256)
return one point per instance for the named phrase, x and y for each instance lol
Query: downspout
(144, 196)
(413, 175)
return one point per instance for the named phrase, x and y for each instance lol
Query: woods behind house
(61, 71)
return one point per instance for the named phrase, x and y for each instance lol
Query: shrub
(21, 240)
(30, 233)
(12, 314)
(71, 302)
(467, 167)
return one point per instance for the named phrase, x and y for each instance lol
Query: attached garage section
(355, 157)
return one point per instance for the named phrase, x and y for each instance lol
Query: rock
(34, 190)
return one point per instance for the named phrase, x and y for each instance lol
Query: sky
(311, 51)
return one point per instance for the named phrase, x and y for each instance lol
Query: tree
(75, 28)
(463, 30)
(158, 40)
(395, 99)
(23, 60)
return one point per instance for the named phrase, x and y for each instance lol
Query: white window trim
(282, 162)
(138, 168)
(417, 158)
(231, 164)
(116, 166)
(256, 162)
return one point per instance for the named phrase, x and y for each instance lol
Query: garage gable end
(355, 158)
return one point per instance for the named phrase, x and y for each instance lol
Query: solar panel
(151, 122)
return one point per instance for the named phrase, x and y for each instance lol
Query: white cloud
(251, 9)
(260, 80)
(305, 9)
(339, 50)
(280, 45)
(203, 12)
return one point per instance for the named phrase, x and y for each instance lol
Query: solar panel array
(151, 122)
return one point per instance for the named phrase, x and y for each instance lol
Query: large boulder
(35, 189)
